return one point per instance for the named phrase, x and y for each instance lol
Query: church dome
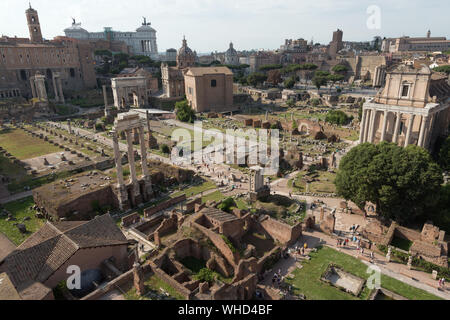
(185, 50)
(231, 51)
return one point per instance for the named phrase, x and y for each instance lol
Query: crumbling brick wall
(280, 231)
(164, 205)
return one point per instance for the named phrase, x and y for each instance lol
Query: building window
(213, 83)
(405, 90)
(72, 72)
(190, 90)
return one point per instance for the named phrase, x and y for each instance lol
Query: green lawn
(20, 209)
(154, 283)
(215, 196)
(324, 182)
(23, 146)
(307, 280)
(18, 185)
(193, 191)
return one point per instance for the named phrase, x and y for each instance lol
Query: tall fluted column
(383, 130)
(131, 157)
(143, 152)
(397, 127)
(118, 159)
(372, 125)
(408, 133)
(423, 127)
(363, 124)
(367, 125)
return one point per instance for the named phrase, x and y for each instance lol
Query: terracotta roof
(6, 246)
(50, 247)
(218, 215)
(200, 71)
(7, 290)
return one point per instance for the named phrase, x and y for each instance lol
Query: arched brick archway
(303, 128)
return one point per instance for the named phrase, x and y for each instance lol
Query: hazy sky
(210, 25)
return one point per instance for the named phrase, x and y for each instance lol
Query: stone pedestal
(122, 196)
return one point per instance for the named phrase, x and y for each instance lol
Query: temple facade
(412, 108)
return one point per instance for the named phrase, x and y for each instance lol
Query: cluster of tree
(338, 117)
(296, 67)
(274, 77)
(321, 78)
(255, 78)
(445, 69)
(290, 82)
(103, 52)
(405, 184)
(268, 67)
(184, 111)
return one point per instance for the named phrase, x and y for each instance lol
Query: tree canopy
(289, 83)
(255, 78)
(445, 69)
(184, 111)
(338, 117)
(403, 183)
(339, 68)
(268, 67)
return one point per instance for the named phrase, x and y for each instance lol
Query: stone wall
(280, 231)
(131, 219)
(164, 205)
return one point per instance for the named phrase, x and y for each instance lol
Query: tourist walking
(371, 256)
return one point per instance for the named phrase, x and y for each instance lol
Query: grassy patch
(154, 283)
(307, 280)
(322, 182)
(215, 196)
(20, 209)
(23, 146)
(193, 191)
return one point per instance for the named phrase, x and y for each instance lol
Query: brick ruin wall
(282, 232)
(163, 206)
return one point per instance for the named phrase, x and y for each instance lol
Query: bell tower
(33, 25)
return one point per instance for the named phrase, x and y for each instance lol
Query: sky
(210, 25)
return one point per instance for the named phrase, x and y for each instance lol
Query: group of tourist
(277, 278)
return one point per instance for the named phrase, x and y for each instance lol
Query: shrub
(205, 275)
(165, 148)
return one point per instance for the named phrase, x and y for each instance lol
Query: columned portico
(417, 130)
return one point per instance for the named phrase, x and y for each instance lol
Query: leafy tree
(339, 69)
(165, 148)
(338, 117)
(319, 81)
(274, 76)
(445, 69)
(403, 183)
(184, 111)
(268, 67)
(205, 275)
(290, 103)
(143, 60)
(444, 155)
(289, 83)
(255, 78)
(226, 205)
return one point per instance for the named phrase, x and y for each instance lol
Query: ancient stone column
(118, 160)
(383, 129)
(408, 133)
(33, 89)
(363, 124)
(143, 152)
(55, 88)
(372, 125)
(367, 125)
(131, 157)
(105, 97)
(69, 125)
(423, 127)
(61, 94)
(397, 127)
